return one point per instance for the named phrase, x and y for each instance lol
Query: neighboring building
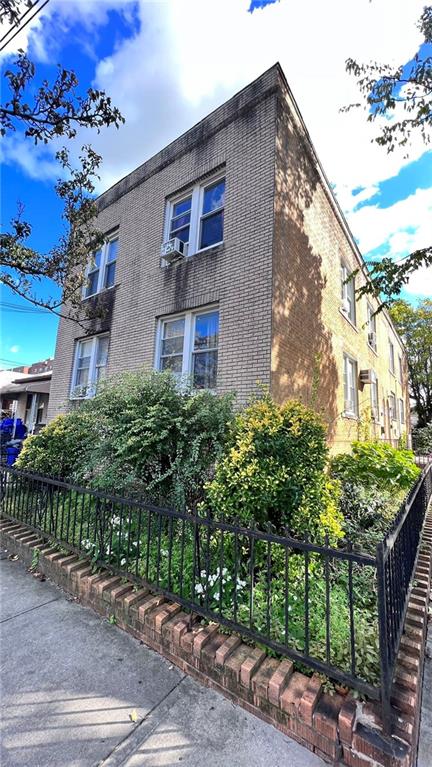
(25, 396)
(260, 293)
(44, 366)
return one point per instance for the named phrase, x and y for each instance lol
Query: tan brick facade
(275, 279)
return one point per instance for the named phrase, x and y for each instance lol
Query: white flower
(241, 583)
(224, 571)
(164, 552)
(123, 561)
(199, 589)
(115, 521)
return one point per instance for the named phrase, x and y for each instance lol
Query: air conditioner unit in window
(367, 376)
(172, 250)
(372, 339)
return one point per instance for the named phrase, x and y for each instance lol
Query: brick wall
(276, 278)
(239, 137)
(309, 332)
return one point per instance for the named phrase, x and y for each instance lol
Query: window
(392, 406)
(400, 369)
(188, 346)
(350, 386)
(91, 357)
(401, 411)
(374, 397)
(197, 218)
(348, 294)
(371, 327)
(391, 358)
(102, 268)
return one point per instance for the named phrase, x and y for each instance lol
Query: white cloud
(15, 349)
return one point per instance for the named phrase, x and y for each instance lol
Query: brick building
(259, 293)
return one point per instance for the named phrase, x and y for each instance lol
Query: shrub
(60, 448)
(139, 435)
(422, 439)
(273, 471)
(368, 513)
(376, 464)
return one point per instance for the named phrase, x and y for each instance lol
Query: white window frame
(188, 338)
(351, 361)
(346, 285)
(196, 192)
(102, 268)
(371, 327)
(392, 407)
(89, 390)
(375, 391)
(400, 363)
(401, 411)
(392, 360)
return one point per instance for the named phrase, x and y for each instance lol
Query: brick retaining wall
(338, 728)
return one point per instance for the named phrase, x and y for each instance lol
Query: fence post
(386, 671)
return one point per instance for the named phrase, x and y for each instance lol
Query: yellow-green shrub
(273, 471)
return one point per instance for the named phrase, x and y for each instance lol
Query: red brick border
(337, 728)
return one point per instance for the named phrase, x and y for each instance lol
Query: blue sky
(165, 72)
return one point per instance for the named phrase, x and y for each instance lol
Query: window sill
(350, 322)
(217, 248)
(350, 416)
(373, 350)
(99, 293)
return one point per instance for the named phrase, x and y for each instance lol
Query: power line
(18, 22)
(11, 307)
(38, 10)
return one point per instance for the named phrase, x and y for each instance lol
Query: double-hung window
(400, 369)
(102, 268)
(348, 293)
(401, 411)
(392, 406)
(350, 386)
(91, 357)
(371, 328)
(391, 358)
(374, 392)
(197, 218)
(188, 346)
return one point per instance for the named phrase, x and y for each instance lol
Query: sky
(166, 64)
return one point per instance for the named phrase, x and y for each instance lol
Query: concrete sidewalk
(70, 681)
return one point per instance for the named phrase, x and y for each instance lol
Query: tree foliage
(415, 326)
(402, 95)
(44, 112)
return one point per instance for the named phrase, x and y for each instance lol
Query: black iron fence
(335, 610)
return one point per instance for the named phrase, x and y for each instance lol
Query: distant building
(44, 366)
(228, 259)
(25, 396)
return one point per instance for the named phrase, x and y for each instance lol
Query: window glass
(212, 230)
(171, 357)
(180, 221)
(212, 219)
(350, 385)
(83, 362)
(101, 356)
(214, 197)
(348, 294)
(374, 397)
(110, 267)
(371, 327)
(401, 411)
(204, 362)
(400, 370)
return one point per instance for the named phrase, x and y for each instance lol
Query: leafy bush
(139, 435)
(61, 447)
(422, 440)
(376, 464)
(368, 513)
(273, 471)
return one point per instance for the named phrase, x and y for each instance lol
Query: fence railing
(319, 605)
(423, 460)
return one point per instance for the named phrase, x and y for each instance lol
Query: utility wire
(38, 10)
(18, 22)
